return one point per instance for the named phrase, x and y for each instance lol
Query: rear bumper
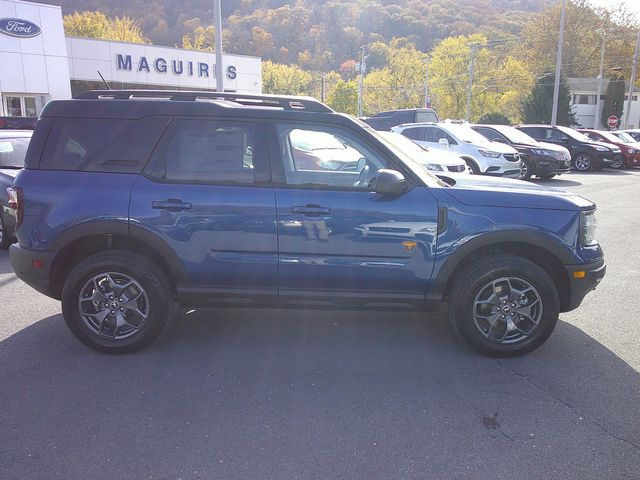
(26, 264)
(582, 284)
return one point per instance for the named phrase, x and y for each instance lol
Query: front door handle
(311, 210)
(173, 205)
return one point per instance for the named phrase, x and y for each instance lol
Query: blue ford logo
(17, 27)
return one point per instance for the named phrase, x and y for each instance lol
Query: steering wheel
(362, 180)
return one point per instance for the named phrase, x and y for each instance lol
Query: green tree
(344, 97)
(614, 98)
(98, 25)
(538, 104)
(283, 79)
(494, 118)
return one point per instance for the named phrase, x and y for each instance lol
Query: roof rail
(308, 104)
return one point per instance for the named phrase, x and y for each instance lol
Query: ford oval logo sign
(17, 27)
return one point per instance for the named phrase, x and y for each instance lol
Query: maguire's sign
(177, 67)
(16, 27)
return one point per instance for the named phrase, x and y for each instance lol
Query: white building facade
(38, 63)
(584, 101)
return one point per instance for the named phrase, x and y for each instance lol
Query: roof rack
(308, 104)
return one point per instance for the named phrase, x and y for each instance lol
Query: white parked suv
(482, 156)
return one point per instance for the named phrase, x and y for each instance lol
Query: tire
(475, 170)
(583, 162)
(469, 305)
(526, 170)
(134, 316)
(618, 165)
(5, 240)
(548, 176)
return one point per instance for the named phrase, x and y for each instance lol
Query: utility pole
(322, 87)
(596, 120)
(217, 14)
(556, 85)
(363, 70)
(427, 100)
(470, 84)
(632, 82)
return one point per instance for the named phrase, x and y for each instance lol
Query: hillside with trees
(312, 48)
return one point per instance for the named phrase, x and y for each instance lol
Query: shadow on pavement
(555, 182)
(312, 394)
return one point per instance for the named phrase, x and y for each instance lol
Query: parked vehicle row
(134, 204)
(628, 146)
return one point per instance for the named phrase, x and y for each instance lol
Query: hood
(551, 146)
(610, 146)
(10, 172)
(477, 190)
(441, 157)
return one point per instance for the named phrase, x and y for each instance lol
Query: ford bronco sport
(135, 203)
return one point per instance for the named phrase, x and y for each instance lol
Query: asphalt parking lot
(310, 394)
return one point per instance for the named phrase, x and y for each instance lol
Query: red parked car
(630, 151)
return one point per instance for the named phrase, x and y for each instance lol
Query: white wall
(87, 56)
(36, 65)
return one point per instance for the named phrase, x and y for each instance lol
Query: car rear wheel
(503, 305)
(583, 162)
(116, 301)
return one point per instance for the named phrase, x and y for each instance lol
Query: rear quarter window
(101, 144)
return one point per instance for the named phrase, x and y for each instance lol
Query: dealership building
(38, 63)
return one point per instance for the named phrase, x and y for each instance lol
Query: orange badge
(409, 246)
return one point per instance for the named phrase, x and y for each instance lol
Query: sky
(632, 5)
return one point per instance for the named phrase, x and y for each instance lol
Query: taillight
(15, 203)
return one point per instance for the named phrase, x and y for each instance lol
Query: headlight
(545, 153)
(490, 154)
(434, 167)
(599, 148)
(588, 228)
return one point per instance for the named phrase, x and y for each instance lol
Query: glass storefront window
(14, 106)
(30, 107)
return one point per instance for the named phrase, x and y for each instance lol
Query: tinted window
(532, 131)
(489, 133)
(198, 150)
(101, 145)
(326, 157)
(414, 133)
(555, 135)
(13, 151)
(426, 117)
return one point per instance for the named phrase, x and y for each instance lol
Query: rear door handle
(311, 210)
(173, 205)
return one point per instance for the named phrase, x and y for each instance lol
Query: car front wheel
(583, 162)
(503, 305)
(116, 301)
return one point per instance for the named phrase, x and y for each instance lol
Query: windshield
(625, 137)
(310, 141)
(464, 133)
(610, 136)
(514, 135)
(402, 142)
(574, 134)
(13, 151)
(428, 178)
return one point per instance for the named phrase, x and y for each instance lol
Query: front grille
(512, 157)
(456, 168)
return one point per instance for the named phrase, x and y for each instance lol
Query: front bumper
(606, 159)
(582, 283)
(548, 165)
(33, 268)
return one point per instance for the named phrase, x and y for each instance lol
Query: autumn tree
(538, 104)
(98, 25)
(344, 97)
(285, 79)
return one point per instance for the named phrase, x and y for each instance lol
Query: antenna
(103, 80)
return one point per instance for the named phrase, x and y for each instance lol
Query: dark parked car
(387, 120)
(586, 154)
(128, 208)
(17, 123)
(630, 151)
(544, 160)
(13, 148)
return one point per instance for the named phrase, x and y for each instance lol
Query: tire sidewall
(155, 287)
(529, 166)
(589, 166)
(515, 267)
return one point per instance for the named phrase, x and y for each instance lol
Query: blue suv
(134, 204)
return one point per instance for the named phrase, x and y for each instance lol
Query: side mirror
(390, 182)
(444, 142)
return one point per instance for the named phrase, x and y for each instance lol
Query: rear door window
(102, 144)
(414, 133)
